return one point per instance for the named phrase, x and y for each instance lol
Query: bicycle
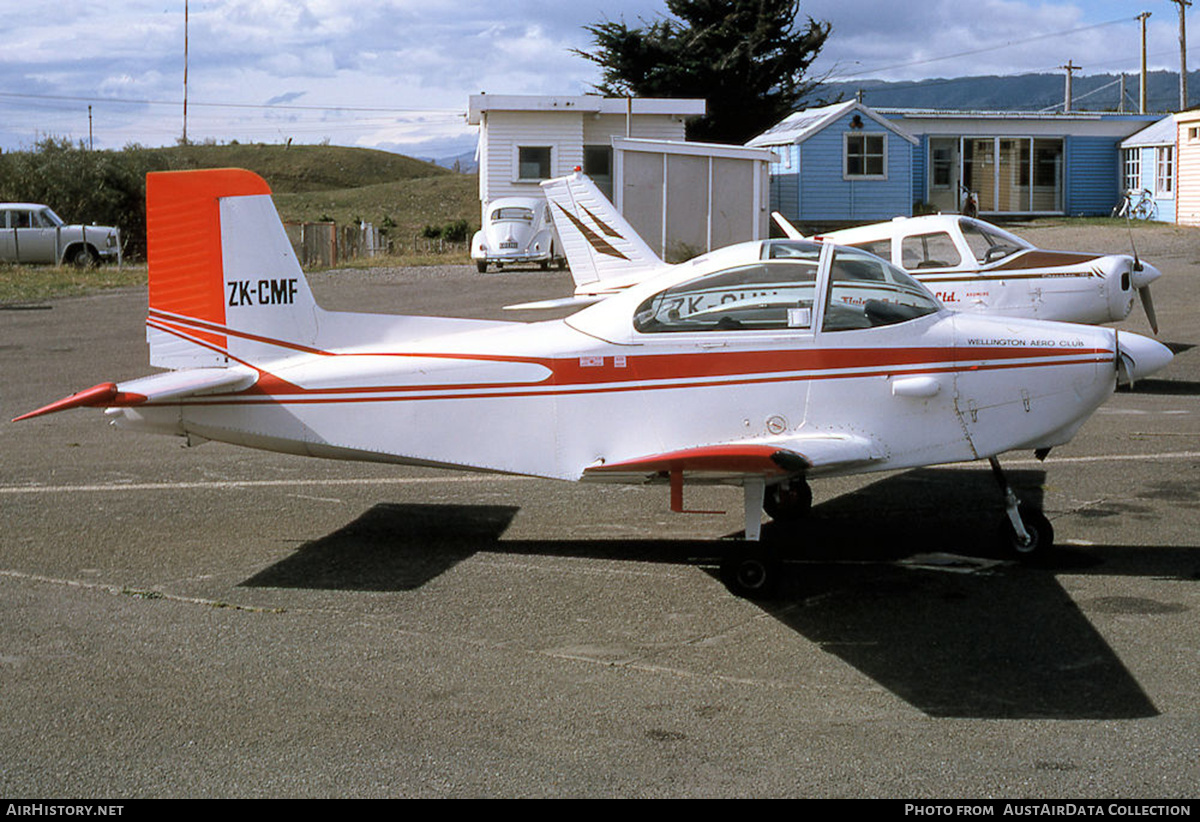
(1136, 204)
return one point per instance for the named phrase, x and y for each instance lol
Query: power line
(261, 106)
(983, 49)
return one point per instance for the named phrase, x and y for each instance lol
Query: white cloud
(417, 54)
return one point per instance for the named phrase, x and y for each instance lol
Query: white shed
(686, 199)
(524, 139)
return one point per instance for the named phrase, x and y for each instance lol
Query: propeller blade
(1148, 305)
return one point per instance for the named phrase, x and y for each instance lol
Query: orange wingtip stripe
(183, 238)
(104, 395)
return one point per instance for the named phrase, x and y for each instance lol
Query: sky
(397, 74)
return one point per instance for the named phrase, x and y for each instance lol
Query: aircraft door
(741, 341)
(881, 338)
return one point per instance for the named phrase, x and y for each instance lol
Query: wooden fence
(326, 245)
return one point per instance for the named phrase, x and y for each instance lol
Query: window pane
(989, 243)
(880, 248)
(512, 213)
(936, 250)
(771, 295)
(865, 155)
(533, 162)
(866, 292)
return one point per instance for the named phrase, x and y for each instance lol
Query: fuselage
(971, 265)
(558, 397)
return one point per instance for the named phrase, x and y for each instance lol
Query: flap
(778, 456)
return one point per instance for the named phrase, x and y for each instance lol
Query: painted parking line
(224, 485)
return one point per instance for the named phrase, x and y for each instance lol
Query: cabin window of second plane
(935, 250)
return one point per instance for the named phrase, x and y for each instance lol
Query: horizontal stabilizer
(172, 385)
(566, 302)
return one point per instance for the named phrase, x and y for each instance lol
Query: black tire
(481, 266)
(1041, 534)
(81, 257)
(788, 501)
(752, 577)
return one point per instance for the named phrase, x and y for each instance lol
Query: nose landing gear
(1027, 532)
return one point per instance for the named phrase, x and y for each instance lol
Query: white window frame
(1131, 169)
(1164, 171)
(847, 137)
(516, 160)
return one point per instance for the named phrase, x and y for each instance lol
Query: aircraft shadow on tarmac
(901, 579)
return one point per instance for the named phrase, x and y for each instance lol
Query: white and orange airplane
(812, 360)
(970, 265)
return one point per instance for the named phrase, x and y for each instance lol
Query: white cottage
(524, 139)
(1187, 169)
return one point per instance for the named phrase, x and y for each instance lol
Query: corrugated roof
(1156, 134)
(800, 125)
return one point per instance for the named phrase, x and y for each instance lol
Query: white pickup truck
(32, 233)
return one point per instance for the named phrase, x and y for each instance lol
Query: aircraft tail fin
(225, 285)
(603, 249)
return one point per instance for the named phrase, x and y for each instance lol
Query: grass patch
(403, 207)
(21, 284)
(26, 284)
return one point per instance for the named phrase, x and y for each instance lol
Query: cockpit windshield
(866, 291)
(989, 243)
(766, 295)
(780, 293)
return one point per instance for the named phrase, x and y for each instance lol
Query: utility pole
(1183, 95)
(185, 68)
(91, 143)
(1070, 68)
(1142, 94)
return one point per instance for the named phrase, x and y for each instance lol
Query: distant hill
(299, 168)
(1022, 92)
(309, 183)
(464, 163)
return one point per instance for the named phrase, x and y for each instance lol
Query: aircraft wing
(164, 387)
(806, 454)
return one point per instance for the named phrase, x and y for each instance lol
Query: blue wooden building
(850, 163)
(839, 163)
(1148, 163)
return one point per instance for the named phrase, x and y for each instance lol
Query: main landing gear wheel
(751, 577)
(788, 501)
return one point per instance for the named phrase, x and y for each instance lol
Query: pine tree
(746, 58)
